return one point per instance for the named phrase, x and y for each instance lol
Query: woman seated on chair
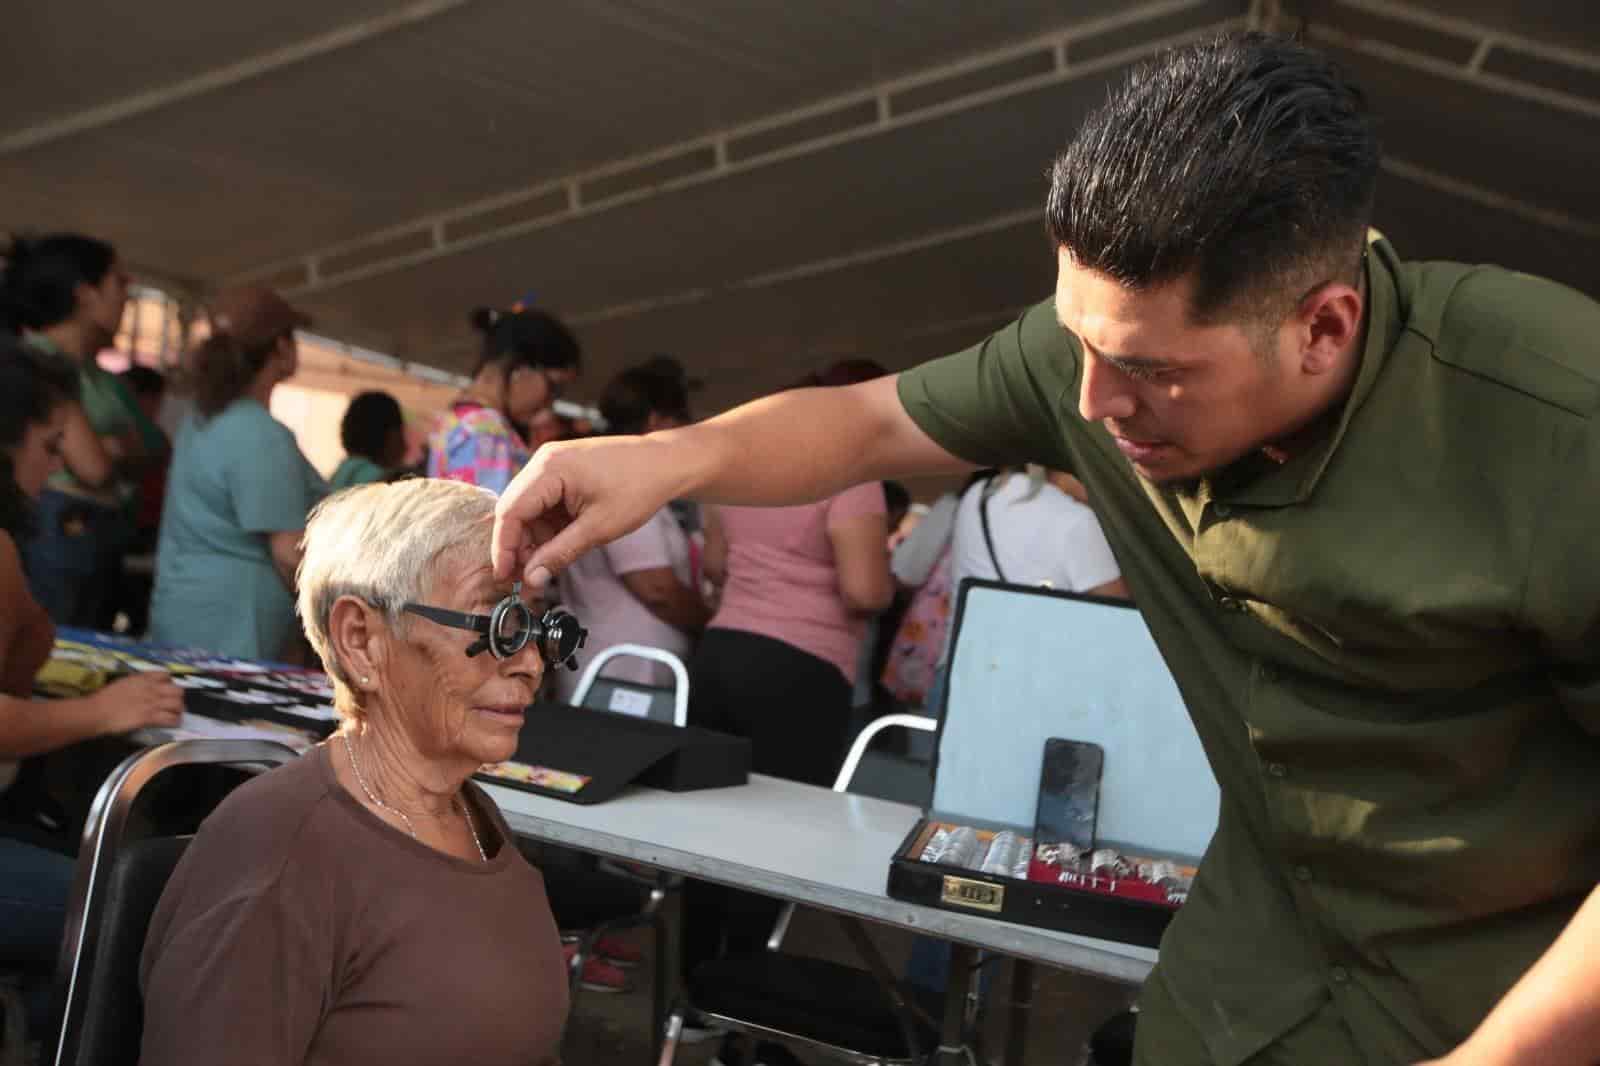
(366, 903)
(37, 393)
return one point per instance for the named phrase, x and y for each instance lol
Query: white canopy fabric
(757, 186)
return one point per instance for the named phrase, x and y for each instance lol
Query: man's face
(1180, 399)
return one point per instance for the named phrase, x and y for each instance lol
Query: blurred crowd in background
(171, 507)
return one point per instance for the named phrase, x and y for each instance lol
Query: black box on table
(1028, 664)
(586, 755)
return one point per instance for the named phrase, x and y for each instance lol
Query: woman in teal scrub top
(238, 492)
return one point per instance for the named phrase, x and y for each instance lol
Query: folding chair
(114, 894)
(868, 1017)
(662, 705)
(602, 886)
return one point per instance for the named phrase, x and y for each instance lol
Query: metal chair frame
(102, 843)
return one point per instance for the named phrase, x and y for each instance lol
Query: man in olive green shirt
(1352, 497)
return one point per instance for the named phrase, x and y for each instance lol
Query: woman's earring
(366, 680)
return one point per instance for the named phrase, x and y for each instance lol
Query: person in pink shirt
(778, 658)
(639, 589)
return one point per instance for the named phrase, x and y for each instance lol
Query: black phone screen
(1069, 794)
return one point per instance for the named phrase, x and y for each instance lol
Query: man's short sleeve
(1000, 402)
(273, 488)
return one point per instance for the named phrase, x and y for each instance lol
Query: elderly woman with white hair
(366, 903)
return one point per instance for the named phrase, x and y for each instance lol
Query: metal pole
(1022, 986)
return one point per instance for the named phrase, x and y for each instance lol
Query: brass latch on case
(974, 895)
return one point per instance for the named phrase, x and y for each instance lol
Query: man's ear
(1329, 319)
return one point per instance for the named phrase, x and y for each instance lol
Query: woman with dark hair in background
(374, 437)
(238, 492)
(527, 357)
(639, 589)
(37, 399)
(64, 294)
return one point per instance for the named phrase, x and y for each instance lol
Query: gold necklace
(397, 812)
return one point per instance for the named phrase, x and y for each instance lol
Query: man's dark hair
(1247, 160)
(39, 286)
(368, 423)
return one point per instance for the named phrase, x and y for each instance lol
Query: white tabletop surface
(798, 842)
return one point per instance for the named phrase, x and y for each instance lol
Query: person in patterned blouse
(527, 357)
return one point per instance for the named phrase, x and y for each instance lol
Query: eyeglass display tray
(1028, 664)
(585, 755)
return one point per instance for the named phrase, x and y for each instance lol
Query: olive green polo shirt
(1389, 645)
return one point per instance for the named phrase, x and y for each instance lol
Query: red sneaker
(598, 974)
(618, 952)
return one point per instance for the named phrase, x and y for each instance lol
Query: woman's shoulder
(14, 592)
(857, 501)
(242, 420)
(10, 557)
(271, 816)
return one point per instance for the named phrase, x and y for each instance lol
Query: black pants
(795, 708)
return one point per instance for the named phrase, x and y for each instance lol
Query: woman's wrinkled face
(456, 707)
(38, 454)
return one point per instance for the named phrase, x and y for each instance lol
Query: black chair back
(110, 1033)
(114, 893)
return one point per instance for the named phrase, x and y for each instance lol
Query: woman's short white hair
(382, 544)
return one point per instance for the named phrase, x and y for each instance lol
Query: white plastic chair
(680, 676)
(841, 783)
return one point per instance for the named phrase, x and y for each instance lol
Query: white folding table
(815, 847)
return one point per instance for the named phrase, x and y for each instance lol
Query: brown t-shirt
(300, 928)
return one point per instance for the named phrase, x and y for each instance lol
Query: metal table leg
(1022, 986)
(668, 921)
(952, 1035)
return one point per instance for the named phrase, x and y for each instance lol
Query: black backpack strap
(988, 538)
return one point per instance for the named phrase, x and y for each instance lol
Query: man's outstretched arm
(790, 448)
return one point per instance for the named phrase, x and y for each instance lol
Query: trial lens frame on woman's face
(510, 626)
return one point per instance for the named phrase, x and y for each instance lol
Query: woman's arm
(32, 727)
(85, 452)
(284, 547)
(668, 598)
(26, 632)
(1117, 590)
(861, 555)
(714, 560)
